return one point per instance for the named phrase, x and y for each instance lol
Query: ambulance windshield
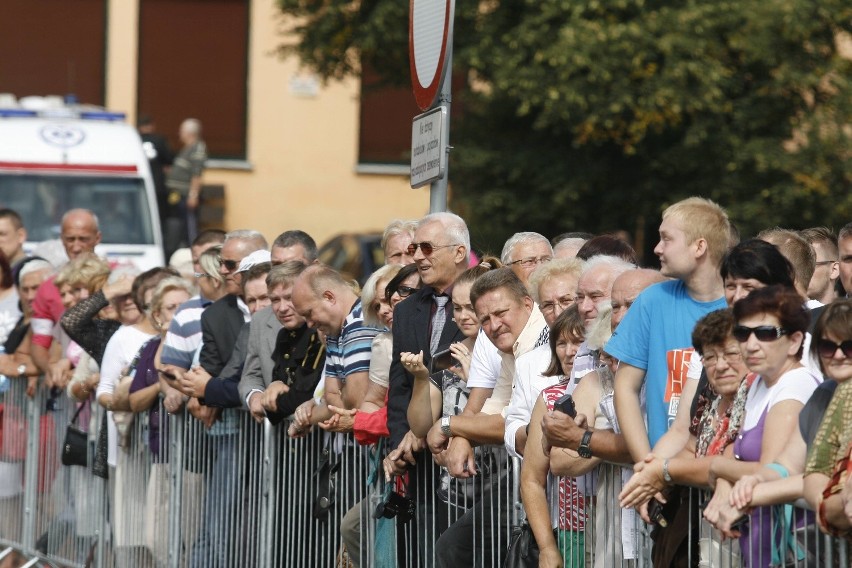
(120, 204)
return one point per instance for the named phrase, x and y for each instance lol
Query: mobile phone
(441, 360)
(656, 513)
(167, 374)
(566, 404)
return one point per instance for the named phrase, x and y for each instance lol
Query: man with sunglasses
(440, 250)
(222, 321)
(221, 324)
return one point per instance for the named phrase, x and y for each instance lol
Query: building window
(385, 121)
(53, 47)
(193, 62)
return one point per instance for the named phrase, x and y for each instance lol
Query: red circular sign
(429, 32)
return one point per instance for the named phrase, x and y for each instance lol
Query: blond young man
(653, 341)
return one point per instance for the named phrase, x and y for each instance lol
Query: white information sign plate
(428, 152)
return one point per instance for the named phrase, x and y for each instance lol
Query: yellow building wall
(302, 150)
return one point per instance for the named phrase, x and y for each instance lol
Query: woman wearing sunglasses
(828, 483)
(826, 490)
(770, 326)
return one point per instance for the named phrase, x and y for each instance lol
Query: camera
(395, 506)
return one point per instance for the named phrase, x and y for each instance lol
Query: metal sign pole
(438, 194)
(430, 55)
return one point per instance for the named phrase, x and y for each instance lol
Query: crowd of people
(624, 390)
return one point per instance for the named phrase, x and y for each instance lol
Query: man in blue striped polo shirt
(330, 305)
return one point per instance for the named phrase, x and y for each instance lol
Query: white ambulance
(56, 156)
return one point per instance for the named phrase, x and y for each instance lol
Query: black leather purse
(523, 549)
(75, 447)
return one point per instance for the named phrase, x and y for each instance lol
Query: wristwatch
(666, 476)
(22, 370)
(445, 426)
(584, 450)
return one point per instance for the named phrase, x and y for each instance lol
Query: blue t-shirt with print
(656, 335)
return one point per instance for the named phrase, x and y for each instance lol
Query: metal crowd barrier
(618, 537)
(245, 494)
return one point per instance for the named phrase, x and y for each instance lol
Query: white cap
(256, 257)
(181, 261)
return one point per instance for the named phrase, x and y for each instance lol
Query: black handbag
(326, 474)
(100, 467)
(75, 447)
(523, 549)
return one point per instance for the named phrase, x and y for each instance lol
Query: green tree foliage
(597, 114)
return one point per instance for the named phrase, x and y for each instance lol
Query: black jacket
(221, 323)
(411, 320)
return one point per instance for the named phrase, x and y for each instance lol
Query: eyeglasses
(730, 357)
(564, 302)
(762, 332)
(230, 265)
(827, 348)
(824, 262)
(427, 247)
(531, 261)
(406, 291)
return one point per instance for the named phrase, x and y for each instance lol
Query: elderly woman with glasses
(770, 328)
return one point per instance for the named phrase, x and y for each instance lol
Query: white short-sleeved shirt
(528, 384)
(119, 352)
(798, 384)
(485, 363)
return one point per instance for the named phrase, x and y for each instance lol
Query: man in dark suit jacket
(222, 321)
(440, 250)
(221, 390)
(221, 324)
(446, 238)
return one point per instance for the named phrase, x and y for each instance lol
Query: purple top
(146, 375)
(755, 542)
(756, 550)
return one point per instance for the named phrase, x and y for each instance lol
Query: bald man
(80, 234)
(627, 287)
(329, 305)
